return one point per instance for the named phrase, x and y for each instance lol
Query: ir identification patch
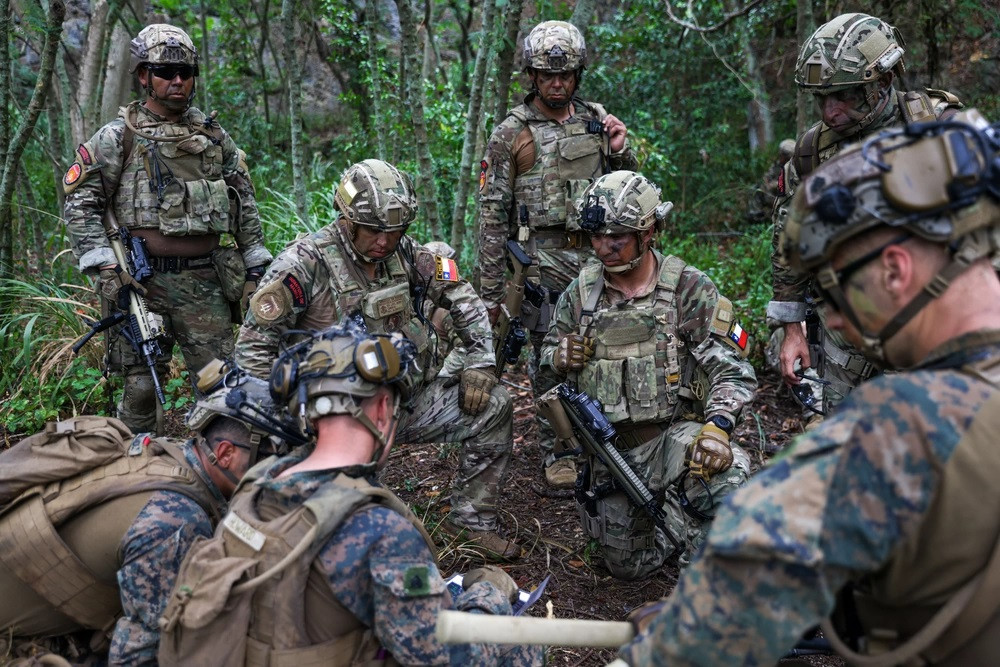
(446, 269)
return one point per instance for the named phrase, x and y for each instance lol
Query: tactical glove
(494, 575)
(250, 286)
(474, 389)
(112, 282)
(572, 353)
(643, 615)
(710, 452)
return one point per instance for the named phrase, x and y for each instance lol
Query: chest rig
(386, 304)
(171, 177)
(568, 158)
(639, 367)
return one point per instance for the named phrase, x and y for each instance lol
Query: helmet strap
(213, 460)
(625, 268)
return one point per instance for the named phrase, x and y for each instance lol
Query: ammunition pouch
(538, 307)
(231, 269)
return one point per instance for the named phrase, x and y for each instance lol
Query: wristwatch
(722, 423)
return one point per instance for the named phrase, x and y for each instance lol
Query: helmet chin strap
(175, 107)
(351, 233)
(876, 97)
(625, 268)
(213, 460)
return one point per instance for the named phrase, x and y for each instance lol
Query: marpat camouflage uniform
(379, 567)
(315, 282)
(844, 366)
(139, 554)
(867, 498)
(189, 294)
(669, 337)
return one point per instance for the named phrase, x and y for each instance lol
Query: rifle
(141, 328)
(578, 418)
(511, 333)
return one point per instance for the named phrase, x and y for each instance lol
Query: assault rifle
(511, 333)
(579, 419)
(141, 328)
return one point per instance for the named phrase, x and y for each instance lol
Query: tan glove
(572, 353)
(112, 282)
(494, 575)
(474, 389)
(710, 452)
(250, 286)
(643, 615)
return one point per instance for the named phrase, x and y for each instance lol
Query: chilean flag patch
(447, 270)
(739, 336)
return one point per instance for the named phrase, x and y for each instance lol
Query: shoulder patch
(84, 155)
(484, 168)
(72, 177)
(725, 326)
(416, 581)
(273, 301)
(295, 289)
(445, 269)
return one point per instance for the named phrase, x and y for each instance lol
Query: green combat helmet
(555, 46)
(939, 181)
(622, 202)
(332, 371)
(375, 194)
(162, 44)
(851, 50)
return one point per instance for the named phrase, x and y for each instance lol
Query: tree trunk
(761, 124)
(31, 225)
(117, 78)
(14, 150)
(505, 59)
(56, 147)
(5, 62)
(204, 62)
(84, 114)
(583, 13)
(375, 74)
(473, 120)
(805, 25)
(414, 85)
(293, 78)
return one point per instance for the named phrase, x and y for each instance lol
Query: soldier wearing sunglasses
(175, 180)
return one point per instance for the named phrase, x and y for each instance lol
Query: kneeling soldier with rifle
(659, 362)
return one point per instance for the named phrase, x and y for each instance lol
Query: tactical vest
(386, 306)
(819, 143)
(912, 606)
(175, 186)
(640, 367)
(32, 549)
(568, 159)
(293, 620)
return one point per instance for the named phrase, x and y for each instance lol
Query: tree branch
(726, 19)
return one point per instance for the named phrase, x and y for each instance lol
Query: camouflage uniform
(187, 292)
(316, 281)
(692, 372)
(134, 543)
(844, 366)
(378, 566)
(853, 501)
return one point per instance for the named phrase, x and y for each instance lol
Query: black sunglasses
(168, 72)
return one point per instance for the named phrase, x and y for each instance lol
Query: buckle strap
(851, 362)
(178, 264)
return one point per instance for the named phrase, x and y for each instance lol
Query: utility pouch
(232, 270)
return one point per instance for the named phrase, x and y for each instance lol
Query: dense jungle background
(307, 87)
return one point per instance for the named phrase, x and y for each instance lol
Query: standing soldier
(882, 519)
(175, 179)
(363, 266)
(538, 161)
(653, 340)
(851, 64)
(96, 521)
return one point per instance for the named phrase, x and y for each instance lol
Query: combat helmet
(938, 181)
(619, 203)
(555, 46)
(162, 44)
(848, 51)
(375, 194)
(333, 370)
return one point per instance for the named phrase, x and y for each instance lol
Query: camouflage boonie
(664, 360)
(316, 281)
(379, 567)
(876, 496)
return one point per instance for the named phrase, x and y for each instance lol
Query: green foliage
(177, 392)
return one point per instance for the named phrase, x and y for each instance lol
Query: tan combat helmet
(555, 46)
(938, 181)
(333, 370)
(623, 202)
(162, 44)
(375, 194)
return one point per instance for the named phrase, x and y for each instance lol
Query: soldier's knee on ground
(137, 407)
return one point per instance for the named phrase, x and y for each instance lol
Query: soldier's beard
(555, 104)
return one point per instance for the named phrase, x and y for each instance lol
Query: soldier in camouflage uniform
(655, 342)
(175, 179)
(538, 161)
(364, 266)
(886, 510)
(763, 198)
(111, 538)
(851, 64)
(368, 590)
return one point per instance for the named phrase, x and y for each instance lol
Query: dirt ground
(546, 524)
